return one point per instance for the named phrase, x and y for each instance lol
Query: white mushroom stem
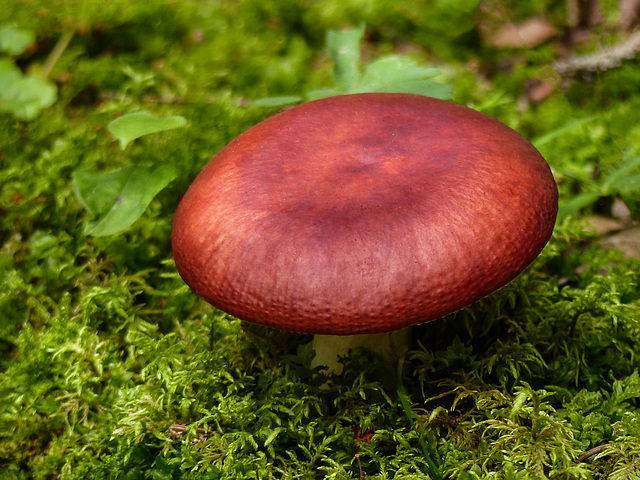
(329, 348)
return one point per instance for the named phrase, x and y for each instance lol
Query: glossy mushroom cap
(363, 214)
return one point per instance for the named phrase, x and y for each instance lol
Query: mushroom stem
(329, 348)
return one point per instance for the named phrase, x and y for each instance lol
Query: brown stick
(591, 453)
(603, 60)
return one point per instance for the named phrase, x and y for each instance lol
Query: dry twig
(591, 453)
(600, 61)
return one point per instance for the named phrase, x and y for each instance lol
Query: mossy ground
(111, 368)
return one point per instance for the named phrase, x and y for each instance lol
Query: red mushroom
(362, 214)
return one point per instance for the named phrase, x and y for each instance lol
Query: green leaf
(98, 191)
(344, 48)
(15, 41)
(120, 196)
(322, 93)
(577, 203)
(25, 97)
(277, 101)
(137, 124)
(9, 74)
(391, 74)
(625, 178)
(395, 74)
(558, 132)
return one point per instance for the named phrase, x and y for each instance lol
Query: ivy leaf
(15, 41)
(137, 124)
(25, 97)
(391, 74)
(97, 191)
(119, 197)
(395, 74)
(22, 96)
(344, 48)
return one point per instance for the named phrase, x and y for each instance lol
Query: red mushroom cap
(364, 214)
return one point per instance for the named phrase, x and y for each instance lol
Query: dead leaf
(362, 436)
(530, 33)
(542, 90)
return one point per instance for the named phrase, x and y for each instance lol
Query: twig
(361, 477)
(603, 60)
(60, 46)
(591, 453)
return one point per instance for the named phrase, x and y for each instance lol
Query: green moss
(111, 368)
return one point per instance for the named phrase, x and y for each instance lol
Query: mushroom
(363, 214)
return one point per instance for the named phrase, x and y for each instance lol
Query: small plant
(623, 181)
(119, 197)
(23, 96)
(390, 74)
(616, 174)
(137, 124)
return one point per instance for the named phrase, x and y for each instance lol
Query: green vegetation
(112, 368)
(23, 96)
